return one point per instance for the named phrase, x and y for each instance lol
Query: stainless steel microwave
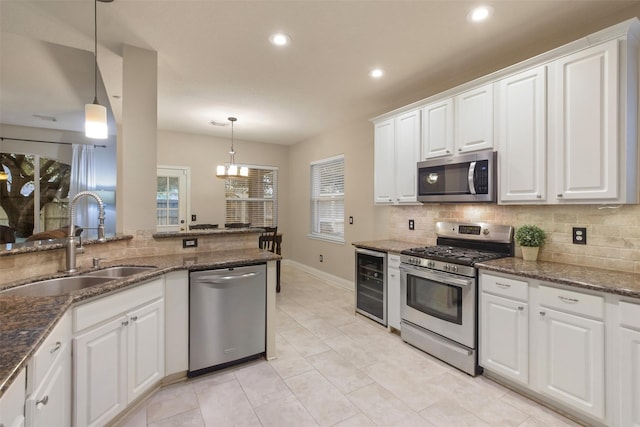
(468, 178)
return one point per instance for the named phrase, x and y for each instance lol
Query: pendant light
(231, 170)
(95, 115)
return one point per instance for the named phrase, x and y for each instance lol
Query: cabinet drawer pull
(559, 196)
(520, 308)
(538, 196)
(56, 348)
(568, 300)
(503, 285)
(43, 401)
(542, 313)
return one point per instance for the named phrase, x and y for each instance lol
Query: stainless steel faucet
(71, 238)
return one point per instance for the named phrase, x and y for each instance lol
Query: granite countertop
(25, 322)
(206, 232)
(396, 246)
(596, 279)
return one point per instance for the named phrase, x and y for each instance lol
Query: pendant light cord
(95, 50)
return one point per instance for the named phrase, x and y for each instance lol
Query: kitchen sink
(118, 272)
(54, 287)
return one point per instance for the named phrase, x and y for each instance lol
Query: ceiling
(215, 59)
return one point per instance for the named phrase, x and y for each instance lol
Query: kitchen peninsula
(26, 322)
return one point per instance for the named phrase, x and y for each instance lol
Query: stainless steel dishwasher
(227, 317)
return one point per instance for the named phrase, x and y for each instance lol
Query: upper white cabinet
(474, 119)
(564, 123)
(521, 113)
(587, 134)
(437, 129)
(397, 150)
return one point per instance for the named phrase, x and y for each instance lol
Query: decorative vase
(530, 253)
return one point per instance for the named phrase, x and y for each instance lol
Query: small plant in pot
(530, 238)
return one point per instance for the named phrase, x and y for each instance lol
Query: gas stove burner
(453, 254)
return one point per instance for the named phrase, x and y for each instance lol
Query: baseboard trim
(329, 278)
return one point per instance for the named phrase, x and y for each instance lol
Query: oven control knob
(431, 264)
(446, 267)
(485, 231)
(454, 268)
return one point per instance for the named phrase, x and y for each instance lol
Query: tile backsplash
(613, 232)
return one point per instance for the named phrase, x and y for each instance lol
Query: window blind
(253, 200)
(327, 198)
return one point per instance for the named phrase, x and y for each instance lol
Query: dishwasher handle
(218, 279)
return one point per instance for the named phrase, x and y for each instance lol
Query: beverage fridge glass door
(371, 285)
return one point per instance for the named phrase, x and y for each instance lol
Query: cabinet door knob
(538, 196)
(459, 149)
(56, 347)
(542, 313)
(448, 151)
(559, 196)
(43, 401)
(520, 308)
(125, 323)
(134, 318)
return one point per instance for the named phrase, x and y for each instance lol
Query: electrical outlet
(193, 217)
(411, 224)
(189, 243)
(579, 235)
(321, 258)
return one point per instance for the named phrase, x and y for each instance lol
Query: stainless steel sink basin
(54, 287)
(118, 272)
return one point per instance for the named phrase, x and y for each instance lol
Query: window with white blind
(253, 200)
(327, 199)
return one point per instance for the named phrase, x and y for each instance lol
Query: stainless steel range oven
(440, 291)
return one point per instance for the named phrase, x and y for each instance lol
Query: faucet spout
(70, 245)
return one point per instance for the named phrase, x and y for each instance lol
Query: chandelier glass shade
(95, 115)
(231, 170)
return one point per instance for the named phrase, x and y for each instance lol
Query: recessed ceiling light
(480, 13)
(376, 73)
(280, 39)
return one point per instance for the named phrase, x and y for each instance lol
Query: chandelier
(231, 170)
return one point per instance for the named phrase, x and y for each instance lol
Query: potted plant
(530, 238)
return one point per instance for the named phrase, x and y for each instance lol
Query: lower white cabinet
(48, 400)
(504, 337)
(629, 331)
(393, 291)
(121, 355)
(571, 360)
(12, 403)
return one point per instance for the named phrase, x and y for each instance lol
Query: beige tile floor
(337, 369)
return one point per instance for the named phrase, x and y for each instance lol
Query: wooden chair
(268, 241)
(7, 235)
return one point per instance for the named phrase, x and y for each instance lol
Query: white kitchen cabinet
(12, 402)
(504, 327)
(438, 129)
(119, 351)
(571, 349)
(474, 119)
(629, 364)
(48, 400)
(393, 291)
(586, 137)
(176, 322)
(384, 164)
(397, 151)
(521, 118)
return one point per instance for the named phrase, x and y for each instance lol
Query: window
(253, 200)
(327, 199)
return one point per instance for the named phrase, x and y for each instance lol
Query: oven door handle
(372, 253)
(445, 278)
(470, 175)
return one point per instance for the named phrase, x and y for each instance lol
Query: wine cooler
(371, 285)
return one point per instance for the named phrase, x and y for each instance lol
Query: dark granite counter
(206, 232)
(396, 246)
(25, 322)
(8, 249)
(596, 279)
